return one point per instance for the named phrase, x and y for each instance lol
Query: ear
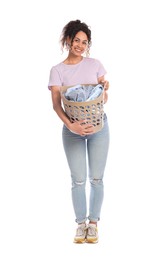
(68, 41)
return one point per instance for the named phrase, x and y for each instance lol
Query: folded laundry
(82, 93)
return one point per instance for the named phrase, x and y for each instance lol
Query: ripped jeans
(87, 156)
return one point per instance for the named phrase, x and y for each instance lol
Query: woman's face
(79, 44)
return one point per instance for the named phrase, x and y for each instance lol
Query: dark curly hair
(71, 29)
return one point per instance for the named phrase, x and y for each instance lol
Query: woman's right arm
(57, 106)
(76, 127)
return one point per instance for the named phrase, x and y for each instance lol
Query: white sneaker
(92, 234)
(80, 233)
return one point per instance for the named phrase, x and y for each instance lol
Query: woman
(79, 139)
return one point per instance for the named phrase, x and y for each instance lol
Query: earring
(68, 46)
(87, 52)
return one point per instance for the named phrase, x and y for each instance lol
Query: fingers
(87, 132)
(85, 127)
(106, 84)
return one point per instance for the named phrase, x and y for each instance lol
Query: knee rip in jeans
(78, 183)
(95, 181)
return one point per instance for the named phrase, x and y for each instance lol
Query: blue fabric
(81, 93)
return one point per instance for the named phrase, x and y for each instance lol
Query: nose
(79, 44)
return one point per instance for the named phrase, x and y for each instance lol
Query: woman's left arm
(102, 80)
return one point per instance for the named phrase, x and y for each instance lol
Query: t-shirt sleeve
(54, 78)
(101, 70)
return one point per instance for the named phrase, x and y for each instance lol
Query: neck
(73, 59)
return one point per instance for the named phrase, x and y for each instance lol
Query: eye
(76, 40)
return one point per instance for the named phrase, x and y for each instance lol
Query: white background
(36, 213)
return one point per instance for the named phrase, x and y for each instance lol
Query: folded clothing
(82, 93)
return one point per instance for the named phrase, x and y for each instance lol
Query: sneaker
(80, 233)
(92, 234)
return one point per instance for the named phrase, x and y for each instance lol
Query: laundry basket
(92, 111)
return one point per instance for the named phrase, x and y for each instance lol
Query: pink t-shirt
(85, 72)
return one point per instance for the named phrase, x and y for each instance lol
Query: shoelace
(92, 231)
(80, 230)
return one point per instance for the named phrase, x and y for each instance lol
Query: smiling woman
(76, 36)
(78, 46)
(79, 137)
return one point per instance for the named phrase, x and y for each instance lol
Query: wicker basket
(92, 111)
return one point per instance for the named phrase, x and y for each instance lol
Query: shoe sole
(91, 241)
(79, 241)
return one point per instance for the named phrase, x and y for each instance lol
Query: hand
(106, 85)
(81, 127)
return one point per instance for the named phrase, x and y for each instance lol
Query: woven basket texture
(90, 111)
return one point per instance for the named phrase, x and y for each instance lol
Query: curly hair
(71, 29)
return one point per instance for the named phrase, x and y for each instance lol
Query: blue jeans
(87, 154)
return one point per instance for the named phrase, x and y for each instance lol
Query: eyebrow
(79, 39)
